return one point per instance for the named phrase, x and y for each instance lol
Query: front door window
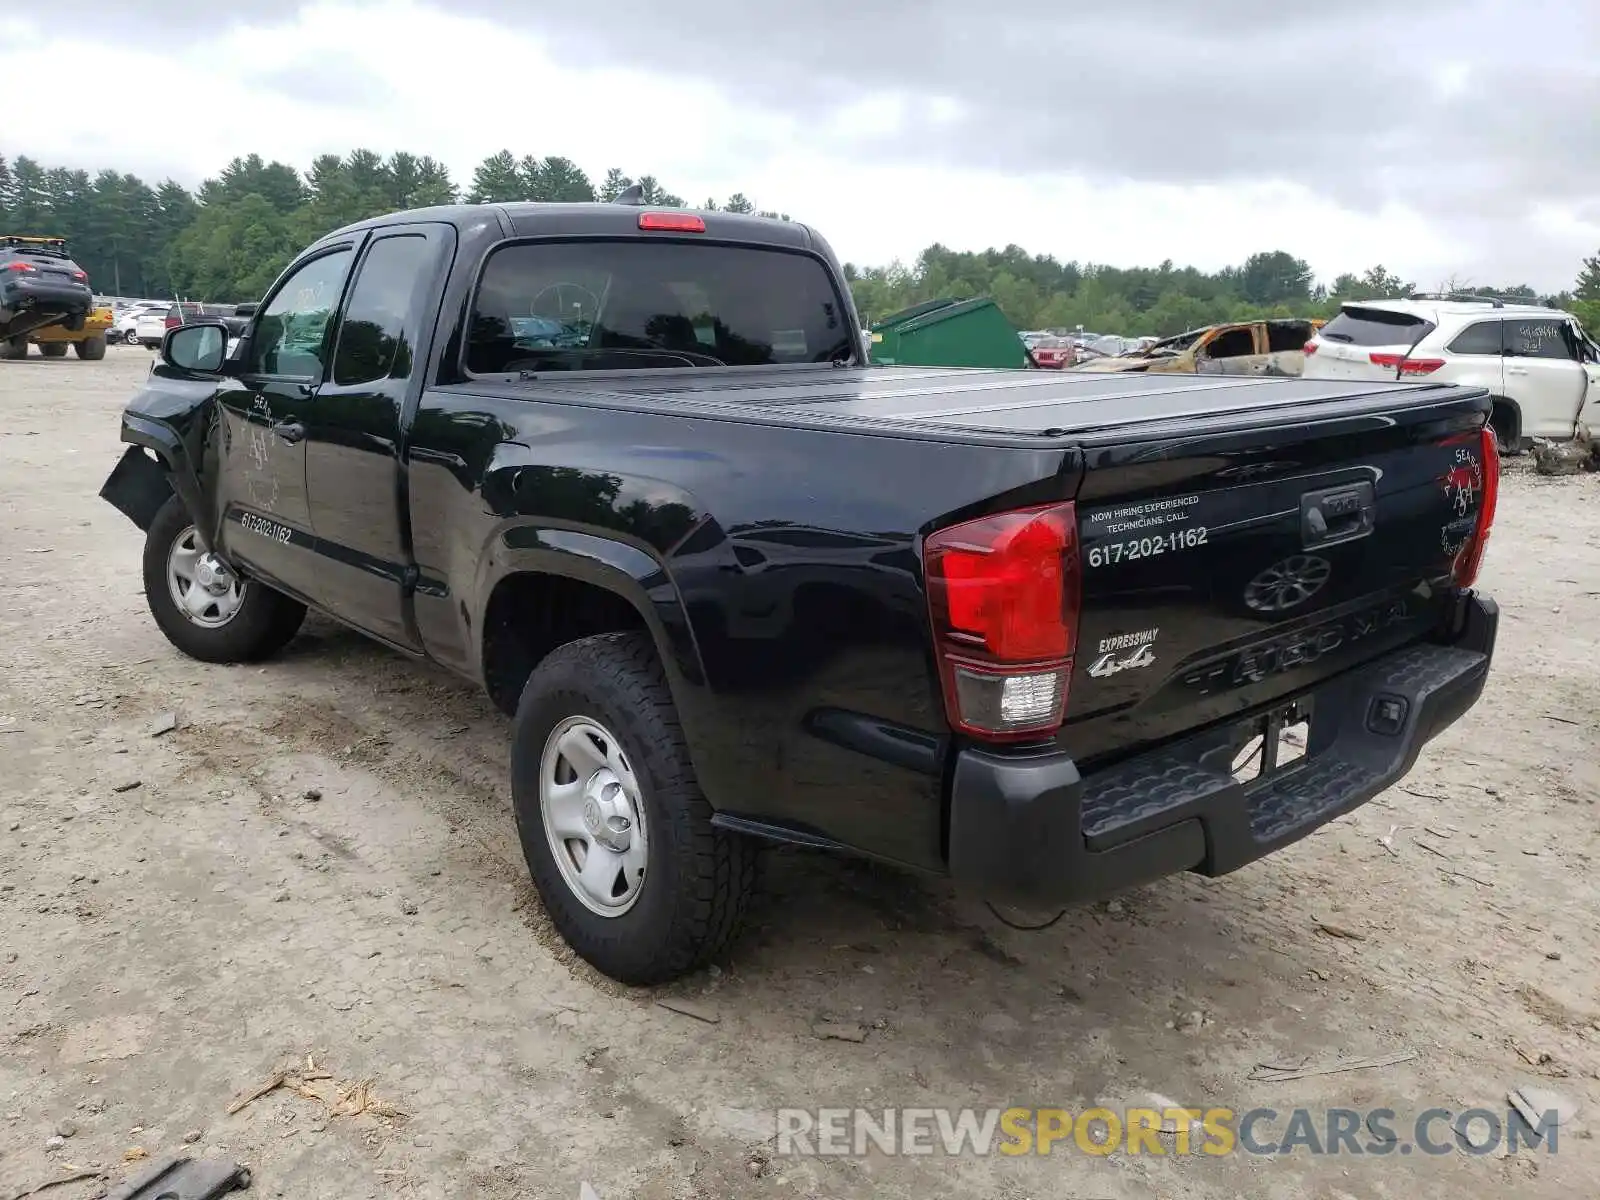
(291, 335)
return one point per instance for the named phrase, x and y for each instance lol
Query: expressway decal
(1124, 652)
(1150, 546)
(1121, 641)
(264, 527)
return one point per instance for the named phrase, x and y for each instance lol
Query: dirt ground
(318, 869)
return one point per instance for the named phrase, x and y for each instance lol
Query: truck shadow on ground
(907, 957)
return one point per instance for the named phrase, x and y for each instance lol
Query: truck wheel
(16, 347)
(53, 349)
(616, 831)
(91, 348)
(205, 609)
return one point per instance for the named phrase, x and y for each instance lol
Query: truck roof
(596, 219)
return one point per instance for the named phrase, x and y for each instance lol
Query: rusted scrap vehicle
(1275, 347)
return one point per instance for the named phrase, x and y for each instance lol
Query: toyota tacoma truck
(1051, 635)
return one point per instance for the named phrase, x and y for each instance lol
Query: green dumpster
(948, 333)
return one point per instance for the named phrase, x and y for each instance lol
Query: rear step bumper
(1033, 831)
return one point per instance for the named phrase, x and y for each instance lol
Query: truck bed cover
(983, 404)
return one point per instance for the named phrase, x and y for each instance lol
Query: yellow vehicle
(88, 342)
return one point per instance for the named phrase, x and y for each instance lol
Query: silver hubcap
(203, 588)
(593, 815)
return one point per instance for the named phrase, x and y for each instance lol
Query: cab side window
(291, 334)
(376, 333)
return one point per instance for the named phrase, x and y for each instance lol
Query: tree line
(228, 239)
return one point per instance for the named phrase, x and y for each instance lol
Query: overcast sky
(1442, 138)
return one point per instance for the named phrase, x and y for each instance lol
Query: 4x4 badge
(1111, 663)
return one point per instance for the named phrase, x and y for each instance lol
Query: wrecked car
(1275, 347)
(628, 470)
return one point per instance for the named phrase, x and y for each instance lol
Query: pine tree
(496, 181)
(1588, 287)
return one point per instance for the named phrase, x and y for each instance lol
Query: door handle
(290, 431)
(1516, 370)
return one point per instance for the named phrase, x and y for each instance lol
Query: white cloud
(408, 77)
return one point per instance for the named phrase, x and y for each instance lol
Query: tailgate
(1226, 571)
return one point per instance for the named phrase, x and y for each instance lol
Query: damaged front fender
(168, 425)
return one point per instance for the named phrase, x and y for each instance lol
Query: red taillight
(672, 222)
(1404, 365)
(1421, 366)
(81, 276)
(1469, 559)
(1310, 347)
(20, 266)
(172, 322)
(1004, 595)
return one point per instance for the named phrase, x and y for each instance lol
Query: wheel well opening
(530, 615)
(1506, 420)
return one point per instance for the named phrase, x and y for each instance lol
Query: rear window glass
(1376, 327)
(619, 305)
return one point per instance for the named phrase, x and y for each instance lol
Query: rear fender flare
(625, 570)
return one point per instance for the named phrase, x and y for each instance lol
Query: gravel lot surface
(317, 870)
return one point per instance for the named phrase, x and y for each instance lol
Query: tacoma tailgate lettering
(1265, 659)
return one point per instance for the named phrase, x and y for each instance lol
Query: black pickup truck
(1051, 635)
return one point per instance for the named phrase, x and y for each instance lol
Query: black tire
(131, 338)
(698, 879)
(263, 624)
(91, 348)
(53, 349)
(16, 347)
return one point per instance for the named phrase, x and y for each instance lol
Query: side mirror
(201, 347)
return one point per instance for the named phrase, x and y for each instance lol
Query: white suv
(1541, 367)
(126, 328)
